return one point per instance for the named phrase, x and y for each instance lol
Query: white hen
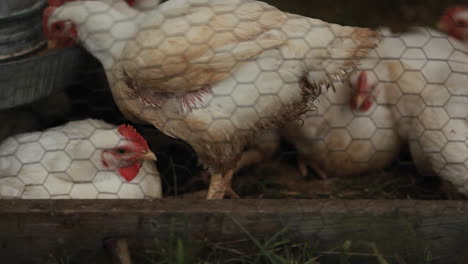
(346, 137)
(419, 81)
(85, 159)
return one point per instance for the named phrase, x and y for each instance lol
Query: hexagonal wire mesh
(215, 74)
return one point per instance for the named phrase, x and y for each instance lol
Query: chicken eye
(461, 23)
(57, 27)
(121, 151)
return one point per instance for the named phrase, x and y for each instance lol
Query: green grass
(279, 248)
(386, 240)
(276, 250)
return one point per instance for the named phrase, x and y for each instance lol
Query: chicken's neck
(102, 29)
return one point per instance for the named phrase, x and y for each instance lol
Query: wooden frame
(30, 229)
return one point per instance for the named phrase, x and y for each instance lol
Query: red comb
(130, 133)
(131, 2)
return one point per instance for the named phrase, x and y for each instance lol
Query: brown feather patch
(181, 63)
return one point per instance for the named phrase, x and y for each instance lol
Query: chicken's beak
(148, 156)
(360, 100)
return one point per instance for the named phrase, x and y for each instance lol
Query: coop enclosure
(382, 152)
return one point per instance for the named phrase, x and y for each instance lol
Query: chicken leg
(221, 185)
(304, 165)
(250, 157)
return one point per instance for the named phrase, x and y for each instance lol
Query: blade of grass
(276, 235)
(251, 237)
(377, 254)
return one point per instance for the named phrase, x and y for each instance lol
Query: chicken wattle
(212, 73)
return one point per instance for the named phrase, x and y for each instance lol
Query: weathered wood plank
(30, 229)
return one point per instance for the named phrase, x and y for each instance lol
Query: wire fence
(212, 75)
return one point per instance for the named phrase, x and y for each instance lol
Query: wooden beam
(31, 229)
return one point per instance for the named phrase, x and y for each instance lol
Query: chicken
(349, 134)
(418, 97)
(84, 159)
(436, 127)
(454, 22)
(428, 84)
(212, 73)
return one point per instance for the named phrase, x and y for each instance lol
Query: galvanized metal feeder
(28, 69)
(20, 28)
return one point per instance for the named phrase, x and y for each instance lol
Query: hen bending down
(355, 129)
(212, 73)
(416, 98)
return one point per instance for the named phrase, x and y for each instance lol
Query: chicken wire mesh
(212, 75)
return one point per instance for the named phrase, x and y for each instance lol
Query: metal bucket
(20, 28)
(29, 79)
